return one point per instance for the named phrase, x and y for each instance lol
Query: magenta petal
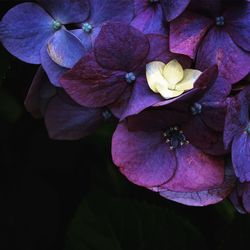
(67, 11)
(218, 48)
(24, 31)
(143, 158)
(173, 8)
(241, 156)
(120, 47)
(111, 10)
(149, 19)
(238, 25)
(65, 49)
(66, 120)
(141, 98)
(186, 33)
(196, 171)
(91, 85)
(39, 94)
(203, 197)
(53, 70)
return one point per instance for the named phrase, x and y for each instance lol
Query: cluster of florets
(173, 73)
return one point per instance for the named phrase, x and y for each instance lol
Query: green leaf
(111, 223)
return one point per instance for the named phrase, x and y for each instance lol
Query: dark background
(69, 195)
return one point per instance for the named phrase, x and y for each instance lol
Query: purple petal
(237, 117)
(67, 11)
(195, 171)
(159, 51)
(142, 97)
(66, 120)
(218, 48)
(218, 92)
(91, 85)
(84, 37)
(241, 156)
(204, 197)
(40, 92)
(157, 119)
(120, 47)
(143, 158)
(65, 49)
(186, 33)
(173, 8)
(24, 30)
(149, 18)
(213, 115)
(203, 137)
(246, 197)
(111, 10)
(238, 20)
(118, 107)
(53, 70)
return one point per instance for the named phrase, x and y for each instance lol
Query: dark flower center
(130, 77)
(196, 108)
(175, 137)
(87, 27)
(106, 115)
(57, 25)
(220, 21)
(154, 1)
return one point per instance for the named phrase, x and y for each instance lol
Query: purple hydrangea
(215, 32)
(154, 151)
(114, 73)
(151, 15)
(64, 119)
(237, 133)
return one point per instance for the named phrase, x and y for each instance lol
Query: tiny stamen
(106, 115)
(175, 137)
(57, 25)
(196, 108)
(130, 77)
(87, 27)
(220, 21)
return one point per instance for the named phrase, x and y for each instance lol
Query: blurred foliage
(112, 223)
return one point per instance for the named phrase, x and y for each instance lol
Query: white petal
(167, 93)
(154, 75)
(190, 76)
(173, 72)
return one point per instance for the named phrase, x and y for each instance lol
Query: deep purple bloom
(151, 15)
(64, 119)
(237, 133)
(114, 74)
(153, 151)
(27, 27)
(215, 32)
(207, 112)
